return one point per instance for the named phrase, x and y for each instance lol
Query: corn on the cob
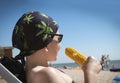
(75, 55)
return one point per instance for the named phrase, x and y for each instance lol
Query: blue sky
(90, 26)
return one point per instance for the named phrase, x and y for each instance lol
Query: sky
(90, 26)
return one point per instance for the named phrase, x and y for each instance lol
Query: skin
(38, 71)
(91, 70)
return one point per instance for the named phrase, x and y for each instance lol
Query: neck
(36, 59)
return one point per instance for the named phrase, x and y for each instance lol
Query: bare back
(47, 75)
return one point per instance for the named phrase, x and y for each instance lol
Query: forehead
(57, 32)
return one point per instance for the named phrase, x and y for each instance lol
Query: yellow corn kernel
(75, 55)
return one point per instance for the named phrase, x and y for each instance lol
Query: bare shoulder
(42, 70)
(44, 75)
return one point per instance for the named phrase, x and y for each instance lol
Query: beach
(103, 76)
(77, 75)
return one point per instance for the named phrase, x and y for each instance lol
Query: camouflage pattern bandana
(33, 31)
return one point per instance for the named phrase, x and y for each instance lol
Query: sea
(115, 63)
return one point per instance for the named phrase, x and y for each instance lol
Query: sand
(103, 76)
(77, 75)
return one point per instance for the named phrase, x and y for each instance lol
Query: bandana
(33, 31)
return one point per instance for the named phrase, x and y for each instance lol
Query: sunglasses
(59, 38)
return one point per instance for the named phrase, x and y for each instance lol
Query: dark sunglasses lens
(60, 38)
